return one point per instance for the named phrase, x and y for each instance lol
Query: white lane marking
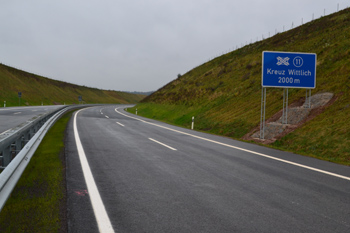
(162, 144)
(103, 222)
(34, 110)
(106, 116)
(242, 149)
(17, 113)
(120, 124)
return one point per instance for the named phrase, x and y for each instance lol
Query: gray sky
(134, 45)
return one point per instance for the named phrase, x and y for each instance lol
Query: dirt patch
(299, 113)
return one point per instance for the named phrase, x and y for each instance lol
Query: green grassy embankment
(38, 204)
(224, 94)
(37, 90)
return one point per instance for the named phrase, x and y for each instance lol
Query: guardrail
(12, 142)
(18, 146)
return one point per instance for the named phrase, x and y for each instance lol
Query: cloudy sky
(138, 45)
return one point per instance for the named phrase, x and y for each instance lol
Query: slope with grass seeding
(224, 94)
(37, 90)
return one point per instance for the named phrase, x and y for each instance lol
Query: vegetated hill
(224, 94)
(37, 90)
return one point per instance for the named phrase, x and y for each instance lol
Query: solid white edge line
(120, 124)
(162, 144)
(241, 149)
(103, 222)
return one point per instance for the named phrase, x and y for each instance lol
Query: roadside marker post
(19, 98)
(192, 125)
(286, 70)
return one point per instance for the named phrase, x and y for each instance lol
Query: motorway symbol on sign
(288, 70)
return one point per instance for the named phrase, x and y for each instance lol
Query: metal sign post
(262, 115)
(308, 99)
(285, 106)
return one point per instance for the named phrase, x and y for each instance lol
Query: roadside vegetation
(224, 94)
(37, 90)
(38, 202)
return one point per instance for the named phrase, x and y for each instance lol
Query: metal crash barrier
(18, 145)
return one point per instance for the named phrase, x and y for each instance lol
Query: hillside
(224, 94)
(37, 90)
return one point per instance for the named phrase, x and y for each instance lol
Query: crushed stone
(296, 116)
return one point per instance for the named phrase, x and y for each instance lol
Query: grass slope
(224, 94)
(36, 90)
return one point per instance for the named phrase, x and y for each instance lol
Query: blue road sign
(288, 70)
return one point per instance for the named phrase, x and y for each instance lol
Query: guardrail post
(26, 137)
(6, 156)
(18, 145)
(31, 132)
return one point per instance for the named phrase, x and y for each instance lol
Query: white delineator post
(192, 122)
(136, 111)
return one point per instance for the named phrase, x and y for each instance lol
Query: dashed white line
(162, 144)
(120, 124)
(242, 149)
(17, 113)
(103, 222)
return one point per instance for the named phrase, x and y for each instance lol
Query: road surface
(14, 116)
(131, 174)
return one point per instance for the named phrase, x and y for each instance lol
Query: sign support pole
(285, 106)
(308, 99)
(284, 101)
(262, 116)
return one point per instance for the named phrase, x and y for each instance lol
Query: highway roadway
(131, 174)
(13, 116)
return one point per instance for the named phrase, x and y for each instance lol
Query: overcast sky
(137, 45)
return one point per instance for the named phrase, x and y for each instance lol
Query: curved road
(153, 177)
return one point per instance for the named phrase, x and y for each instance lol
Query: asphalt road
(14, 116)
(153, 177)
